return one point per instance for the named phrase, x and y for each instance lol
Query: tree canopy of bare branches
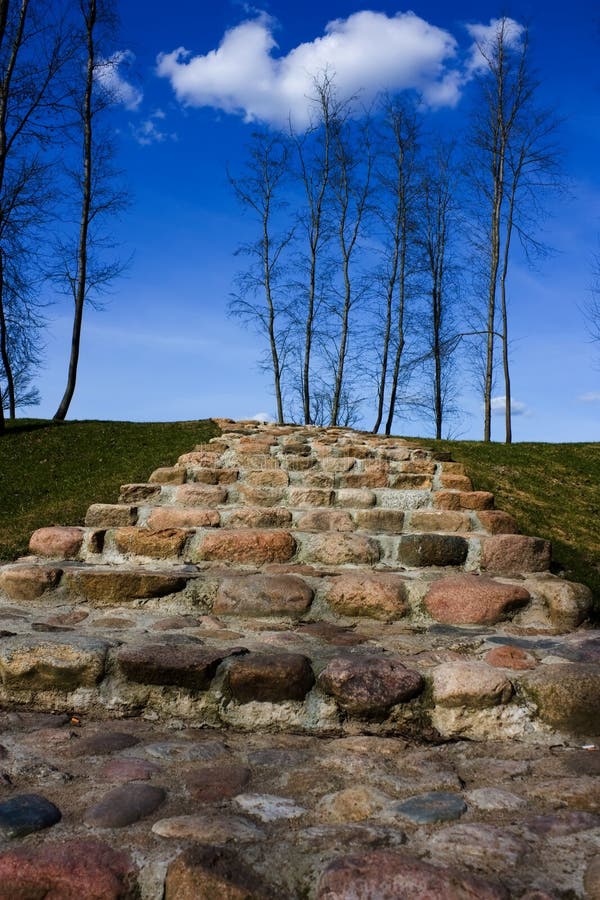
(85, 269)
(515, 161)
(258, 299)
(35, 46)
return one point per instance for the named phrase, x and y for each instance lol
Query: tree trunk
(2, 332)
(504, 310)
(307, 352)
(437, 357)
(82, 252)
(4, 355)
(404, 149)
(400, 347)
(493, 283)
(17, 44)
(272, 336)
(276, 368)
(502, 126)
(327, 108)
(339, 377)
(507, 389)
(386, 343)
(395, 377)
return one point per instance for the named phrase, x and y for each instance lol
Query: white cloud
(591, 397)
(486, 36)
(148, 132)
(367, 52)
(262, 417)
(516, 407)
(107, 73)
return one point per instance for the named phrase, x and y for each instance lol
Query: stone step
(314, 677)
(168, 514)
(266, 495)
(412, 599)
(502, 554)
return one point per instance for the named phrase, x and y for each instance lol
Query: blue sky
(163, 346)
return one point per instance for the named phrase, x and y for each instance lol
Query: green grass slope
(50, 473)
(552, 490)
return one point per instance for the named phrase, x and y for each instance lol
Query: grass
(552, 490)
(51, 472)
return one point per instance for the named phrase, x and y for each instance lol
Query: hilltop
(50, 473)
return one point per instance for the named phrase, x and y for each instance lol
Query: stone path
(300, 663)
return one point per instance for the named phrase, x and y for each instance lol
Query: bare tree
(314, 152)
(437, 239)
(533, 169)
(259, 190)
(515, 161)
(20, 336)
(397, 192)
(85, 271)
(351, 192)
(503, 91)
(34, 48)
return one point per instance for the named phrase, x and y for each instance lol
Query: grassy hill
(552, 490)
(50, 473)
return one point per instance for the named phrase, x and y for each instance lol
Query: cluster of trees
(382, 252)
(378, 274)
(57, 182)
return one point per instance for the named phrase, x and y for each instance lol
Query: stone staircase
(338, 620)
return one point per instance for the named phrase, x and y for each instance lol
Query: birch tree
(315, 160)
(258, 300)
(351, 194)
(34, 48)
(397, 190)
(437, 240)
(515, 162)
(85, 270)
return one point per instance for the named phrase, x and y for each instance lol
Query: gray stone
(567, 696)
(25, 814)
(125, 805)
(591, 879)
(470, 683)
(103, 743)
(52, 662)
(432, 550)
(269, 808)
(563, 823)
(187, 751)
(435, 806)
(494, 798)
(209, 828)
(483, 846)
